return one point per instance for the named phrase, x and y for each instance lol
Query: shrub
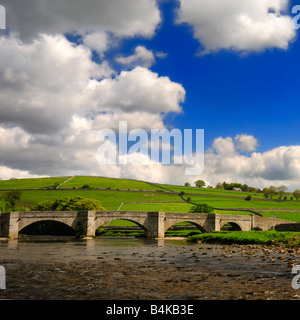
(85, 186)
(43, 206)
(202, 208)
(248, 198)
(3, 205)
(21, 208)
(76, 203)
(12, 197)
(69, 204)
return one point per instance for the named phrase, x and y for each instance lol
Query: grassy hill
(36, 183)
(143, 196)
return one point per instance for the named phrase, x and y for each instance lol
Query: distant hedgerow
(201, 208)
(69, 204)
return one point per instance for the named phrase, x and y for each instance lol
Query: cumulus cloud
(8, 173)
(54, 99)
(224, 162)
(140, 89)
(123, 18)
(243, 26)
(224, 146)
(141, 57)
(43, 82)
(98, 41)
(246, 142)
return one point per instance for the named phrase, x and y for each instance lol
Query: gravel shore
(201, 272)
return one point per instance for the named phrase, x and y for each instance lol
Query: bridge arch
(27, 222)
(230, 225)
(47, 227)
(100, 224)
(105, 222)
(169, 224)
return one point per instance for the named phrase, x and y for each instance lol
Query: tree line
(280, 192)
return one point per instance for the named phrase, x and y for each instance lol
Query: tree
(220, 186)
(201, 208)
(296, 194)
(11, 198)
(69, 204)
(281, 191)
(271, 191)
(252, 189)
(226, 186)
(200, 183)
(245, 187)
(187, 184)
(3, 205)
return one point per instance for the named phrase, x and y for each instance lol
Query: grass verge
(270, 237)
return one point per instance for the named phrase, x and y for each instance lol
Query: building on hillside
(237, 189)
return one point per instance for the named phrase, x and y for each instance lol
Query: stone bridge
(155, 224)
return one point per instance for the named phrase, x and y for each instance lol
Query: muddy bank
(158, 272)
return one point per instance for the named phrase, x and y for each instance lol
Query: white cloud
(246, 142)
(54, 99)
(274, 167)
(44, 82)
(140, 90)
(161, 54)
(248, 25)
(98, 41)
(8, 173)
(141, 57)
(123, 18)
(224, 146)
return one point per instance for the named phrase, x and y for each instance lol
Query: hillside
(126, 194)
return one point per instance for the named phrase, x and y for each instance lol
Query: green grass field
(216, 192)
(112, 199)
(100, 182)
(269, 237)
(36, 183)
(165, 207)
(109, 199)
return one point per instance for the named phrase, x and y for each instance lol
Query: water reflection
(68, 248)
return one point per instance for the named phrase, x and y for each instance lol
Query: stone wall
(288, 227)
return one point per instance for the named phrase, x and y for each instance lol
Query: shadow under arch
(48, 227)
(231, 226)
(186, 225)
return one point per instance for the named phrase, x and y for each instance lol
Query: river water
(43, 267)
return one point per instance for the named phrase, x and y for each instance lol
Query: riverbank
(269, 237)
(146, 269)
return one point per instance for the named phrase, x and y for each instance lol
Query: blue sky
(228, 92)
(228, 67)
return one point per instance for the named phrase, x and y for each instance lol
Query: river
(52, 267)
